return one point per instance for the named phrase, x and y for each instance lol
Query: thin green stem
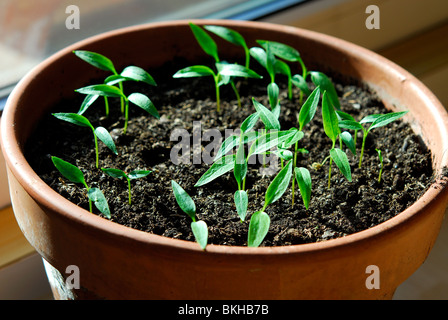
(126, 115)
(218, 107)
(129, 189)
(236, 93)
(362, 148)
(96, 148)
(329, 173)
(121, 99)
(106, 104)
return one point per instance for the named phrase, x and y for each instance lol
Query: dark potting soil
(189, 105)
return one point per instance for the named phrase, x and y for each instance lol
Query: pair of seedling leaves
(109, 90)
(95, 195)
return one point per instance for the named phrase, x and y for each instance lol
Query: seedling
(130, 73)
(98, 133)
(380, 158)
(320, 79)
(186, 203)
(225, 71)
(376, 120)
(136, 174)
(75, 175)
(136, 98)
(266, 59)
(260, 220)
(332, 130)
(287, 53)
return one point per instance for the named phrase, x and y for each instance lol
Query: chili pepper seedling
(225, 71)
(136, 98)
(331, 128)
(75, 175)
(376, 120)
(98, 133)
(129, 73)
(117, 173)
(186, 203)
(260, 220)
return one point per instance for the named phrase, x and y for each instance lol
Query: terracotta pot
(117, 262)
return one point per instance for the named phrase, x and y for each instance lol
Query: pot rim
(40, 191)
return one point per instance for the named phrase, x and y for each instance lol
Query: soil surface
(189, 104)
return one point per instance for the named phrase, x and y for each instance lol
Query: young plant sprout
(376, 120)
(225, 71)
(287, 53)
(136, 98)
(98, 133)
(266, 59)
(380, 158)
(75, 175)
(130, 73)
(136, 174)
(186, 203)
(332, 130)
(260, 221)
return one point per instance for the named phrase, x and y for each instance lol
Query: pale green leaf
(106, 138)
(144, 102)
(219, 167)
(241, 202)
(200, 232)
(258, 228)
(303, 179)
(100, 201)
(341, 160)
(184, 201)
(279, 185)
(97, 60)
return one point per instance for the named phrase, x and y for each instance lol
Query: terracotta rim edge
(39, 190)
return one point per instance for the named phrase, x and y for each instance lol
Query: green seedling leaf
(341, 160)
(200, 232)
(303, 179)
(330, 119)
(351, 125)
(115, 173)
(293, 138)
(232, 36)
(279, 185)
(259, 55)
(228, 34)
(227, 145)
(273, 92)
(137, 74)
(74, 118)
(320, 79)
(386, 119)
(137, 174)
(69, 171)
(281, 50)
(236, 70)
(220, 167)
(380, 158)
(184, 201)
(347, 138)
(194, 71)
(104, 90)
(145, 103)
(241, 202)
(100, 201)
(269, 119)
(286, 155)
(370, 118)
(258, 228)
(309, 108)
(344, 116)
(240, 165)
(300, 83)
(97, 60)
(87, 102)
(205, 41)
(106, 138)
(249, 122)
(268, 141)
